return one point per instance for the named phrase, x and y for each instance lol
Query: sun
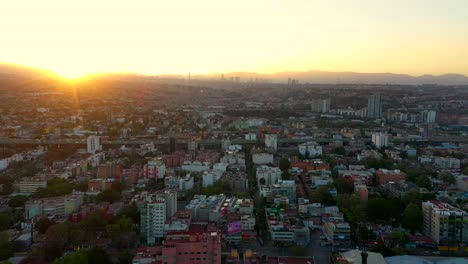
(71, 74)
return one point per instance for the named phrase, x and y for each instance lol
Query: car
(323, 238)
(324, 244)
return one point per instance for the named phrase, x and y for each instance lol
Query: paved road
(321, 254)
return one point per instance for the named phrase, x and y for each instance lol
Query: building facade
(445, 224)
(374, 106)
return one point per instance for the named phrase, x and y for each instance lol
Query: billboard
(234, 227)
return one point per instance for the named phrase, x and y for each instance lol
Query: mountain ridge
(8, 71)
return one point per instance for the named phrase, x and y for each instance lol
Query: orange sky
(74, 38)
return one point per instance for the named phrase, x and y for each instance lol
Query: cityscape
(309, 132)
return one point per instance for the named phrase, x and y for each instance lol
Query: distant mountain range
(354, 78)
(8, 71)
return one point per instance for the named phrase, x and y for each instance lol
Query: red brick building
(385, 176)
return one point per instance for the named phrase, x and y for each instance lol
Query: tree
(424, 181)
(384, 250)
(55, 187)
(298, 250)
(285, 175)
(322, 195)
(110, 196)
(6, 220)
(262, 181)
(465, 170)
(6, 248)
(126, 257)
(400, 237)
(17, 201)
(57, 235)
(284, 164)
(130, 211)
(339, 151)
(382, 209)
(98, 255)
(352, 207)
(43, 224)
(344, 185)
(121, 232)
(412, 218)
(447, 177)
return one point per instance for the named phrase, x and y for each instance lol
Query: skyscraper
(374, 106)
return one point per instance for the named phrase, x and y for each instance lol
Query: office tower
(374, 106)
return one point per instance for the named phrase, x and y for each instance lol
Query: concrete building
(380, 139)
(186, 183)
(310, 149)
(100, 184)
(284, 188)
(152, 220)
(262, 158)
(155, 169)
(374, 106)
(196, 166)
(445, 224)
(61, 206)
(192, 247)
(155, 209)
(195, 204)
(338, 233)
(237, 181)
(209, 178)
(271, 141)
(320, 105)
(428, 116)
(267, 175)
(250, 136)
(233, 158)
(30, 185)
(93, 144)
(447, 163)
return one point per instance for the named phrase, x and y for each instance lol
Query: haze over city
(176, 37)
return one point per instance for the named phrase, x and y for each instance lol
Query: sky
(73, 38)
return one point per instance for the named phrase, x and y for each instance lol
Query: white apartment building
(271, 141)
(380, 139)
(447, 162)
(93, 144)
(310, 149)
(268, 175)
(186, 183)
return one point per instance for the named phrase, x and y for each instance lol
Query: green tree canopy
(17, 201)
(412, 218)
(284, 164)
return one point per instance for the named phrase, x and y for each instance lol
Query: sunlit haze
(156, 37)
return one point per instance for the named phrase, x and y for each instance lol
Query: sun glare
(70, 74)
